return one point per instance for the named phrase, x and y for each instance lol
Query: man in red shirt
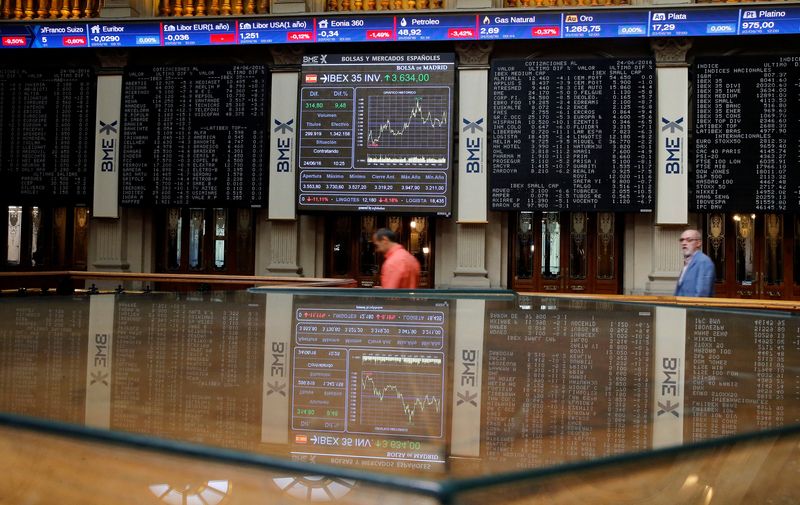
(400, 270)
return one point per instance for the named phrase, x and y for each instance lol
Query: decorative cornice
(474, 54)
(670, 52)
(112, 60)
(287, 55)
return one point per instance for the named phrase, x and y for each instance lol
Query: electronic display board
(368, 383)
(770, 21)
(124, 35)
(572, 135)
(194, 135)
(605, 24)
(355, 30)
(275, 31)
(747, 133)
(696, 21)
(46, 118)
(520, 26)
(15, 36)
(203, 33)
(61, 35)
(376, 133)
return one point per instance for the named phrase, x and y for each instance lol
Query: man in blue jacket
(697, 276)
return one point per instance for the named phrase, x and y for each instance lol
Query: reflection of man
(697, 276)
(400, 269)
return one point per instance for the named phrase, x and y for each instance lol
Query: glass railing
(367, 396)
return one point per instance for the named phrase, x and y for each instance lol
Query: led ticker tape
(523, 25)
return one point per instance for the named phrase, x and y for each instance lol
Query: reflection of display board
(383, 383)
(368, 381)
(554, 376)
(375, 133)
(46, 120)
(43, 357)
(747, 133)
(570, 381)
(188, 369)
(742, 371)
(194, 136)
(572, 135)
(398, 393)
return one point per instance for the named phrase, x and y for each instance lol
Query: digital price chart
(375, 133)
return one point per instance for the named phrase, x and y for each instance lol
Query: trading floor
(539, 161)
(528, 146)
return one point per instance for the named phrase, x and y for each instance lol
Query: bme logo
(670, 386)
(469, 377)
(107, 145)
(284, 144)
(673, 145)
(474, 146)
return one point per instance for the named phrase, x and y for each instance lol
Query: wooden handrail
(7, 278)
(729, 303)
(41, 277)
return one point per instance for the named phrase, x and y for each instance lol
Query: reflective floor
(362, 397)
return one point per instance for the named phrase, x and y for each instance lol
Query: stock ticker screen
(45, 134)
(746, 138)
(572, 134)
(194, 135)
(369, 383)
(376, 133)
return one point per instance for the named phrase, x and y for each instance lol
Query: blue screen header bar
(504, 25)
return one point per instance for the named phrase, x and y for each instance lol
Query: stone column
(289, 7)
(282, 248)
(672, 113)
(118, 9)
(666, 260)
(472, 220)
(277, 240)
(109, 243)
(477, 4)
(108, 227)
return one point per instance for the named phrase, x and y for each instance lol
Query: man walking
(400, 270)
(697, 276)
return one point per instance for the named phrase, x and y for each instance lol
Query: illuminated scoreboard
(375, 133)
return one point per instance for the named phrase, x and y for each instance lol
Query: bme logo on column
(673, 145)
